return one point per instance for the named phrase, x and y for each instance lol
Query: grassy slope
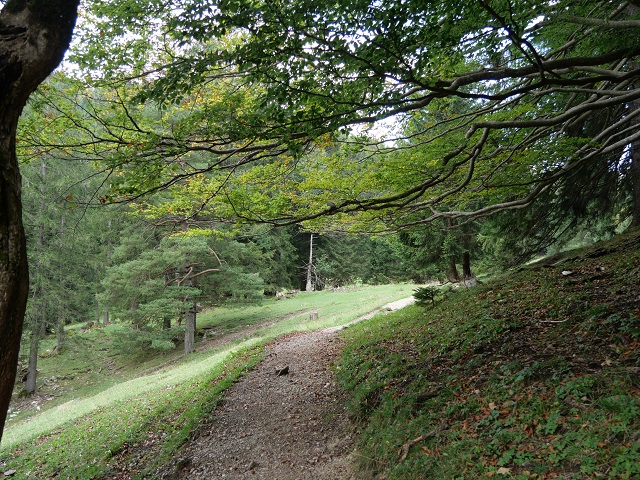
(119, 413)
(532, 375)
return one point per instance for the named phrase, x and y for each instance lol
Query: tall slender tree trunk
(190, 330)
(34, 34)
(60, 332)
(105, 306)
(37, 322)
(32, 370)
(309, 285)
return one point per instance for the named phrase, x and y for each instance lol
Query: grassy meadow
(532, 374)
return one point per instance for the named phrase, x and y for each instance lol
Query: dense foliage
(489, 106)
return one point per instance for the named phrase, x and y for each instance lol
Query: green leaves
(261, 110)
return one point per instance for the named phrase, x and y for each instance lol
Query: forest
(161, 160)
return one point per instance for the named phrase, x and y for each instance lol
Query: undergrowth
(533, 375)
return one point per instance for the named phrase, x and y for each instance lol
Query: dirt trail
(291, 426)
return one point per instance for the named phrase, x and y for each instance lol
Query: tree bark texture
(34, 34)
(190, 330)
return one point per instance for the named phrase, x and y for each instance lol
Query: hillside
(535, 374)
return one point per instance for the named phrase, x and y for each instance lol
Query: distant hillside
(532, 375)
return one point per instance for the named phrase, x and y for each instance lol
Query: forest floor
(533, 374)
(284, 420)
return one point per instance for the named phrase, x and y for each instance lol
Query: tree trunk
(448, 253)
(59, 333)
(32, 369)
(309, 286)
(190, 330)
(466, 266)
(34, 34)
(452, 271)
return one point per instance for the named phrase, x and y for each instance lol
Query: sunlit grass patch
(98, 445)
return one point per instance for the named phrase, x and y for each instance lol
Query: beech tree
(550, 89)
(34, 34)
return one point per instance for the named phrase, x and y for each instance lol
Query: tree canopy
(484, 105)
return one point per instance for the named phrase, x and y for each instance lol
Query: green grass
(532, 375)
(334, 308)
(110, 403)
(99, 445)
(190, 368)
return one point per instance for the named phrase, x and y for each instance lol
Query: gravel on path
(285, 420)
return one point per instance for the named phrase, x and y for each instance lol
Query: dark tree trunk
(466, 266)
(34, 34)
(452, 271)
(32, 369)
